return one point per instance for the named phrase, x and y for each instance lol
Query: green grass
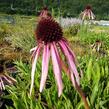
(95, 67)
(21, 33)
(95, 83)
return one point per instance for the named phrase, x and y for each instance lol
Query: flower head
(87, 13)
(51, 42)
(48, 31)
(5, 79)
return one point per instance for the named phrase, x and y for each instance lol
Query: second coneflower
(87, 13)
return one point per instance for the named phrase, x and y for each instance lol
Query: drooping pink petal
(84, 14)
(92, 15)
(10, 78)
(2, 85)
(73, 79)
(70, 51)
(34, 67)
(7, 80)
(45, 63)
(89, 14)
(71, 63)
(33, 49)
(56, 68)
(72, 54)
(34, 52)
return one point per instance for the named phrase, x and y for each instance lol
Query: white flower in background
(67, 22)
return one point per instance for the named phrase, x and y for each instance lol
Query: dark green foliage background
(71, 8)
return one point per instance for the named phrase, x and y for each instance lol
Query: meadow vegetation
(18, 38)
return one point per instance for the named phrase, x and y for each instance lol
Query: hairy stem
(77, 87)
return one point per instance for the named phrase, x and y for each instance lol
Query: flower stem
(77, 87)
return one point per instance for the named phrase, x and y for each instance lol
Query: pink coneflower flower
(5, 79)
(51, 42)
(87, 13)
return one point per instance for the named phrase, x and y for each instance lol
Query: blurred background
(71, 8)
